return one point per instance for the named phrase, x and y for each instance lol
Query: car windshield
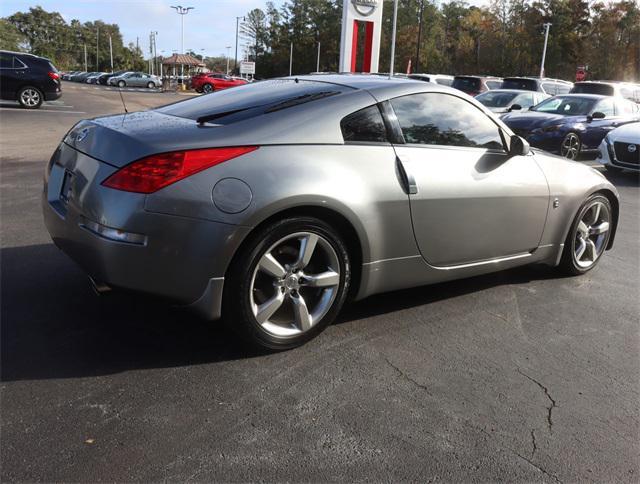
(496, 99)
(593, 88)
(466, 83)
(566, 105)
(524, 84)
(250, 100)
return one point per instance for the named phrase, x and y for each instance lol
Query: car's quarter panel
(570, 183)
(359, 182)
(178, 257)
(473, 204)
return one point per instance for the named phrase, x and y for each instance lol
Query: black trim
(394, 132)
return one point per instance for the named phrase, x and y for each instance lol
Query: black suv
(28, 79)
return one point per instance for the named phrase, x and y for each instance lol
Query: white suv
(620, 149)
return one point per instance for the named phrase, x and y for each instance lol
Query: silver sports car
(272, 203)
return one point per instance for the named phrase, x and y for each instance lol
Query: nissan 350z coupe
(271, 203)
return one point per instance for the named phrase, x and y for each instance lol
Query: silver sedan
(135, 79)
(272, 203)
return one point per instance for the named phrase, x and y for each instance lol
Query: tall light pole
(318, 59)
(417, 67)
(544, 50)
(97, 40)
(111, 52)
(393, 37)
(235, 63)
(228, 49)
(182, 11)
(291, 59)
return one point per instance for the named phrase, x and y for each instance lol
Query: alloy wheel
(592, 234)
(294, 284)
(570, 146)
(207, 88)
(30, 97)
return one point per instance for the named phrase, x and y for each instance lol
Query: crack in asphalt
(407, 377)
(533, 442)
(546, 392)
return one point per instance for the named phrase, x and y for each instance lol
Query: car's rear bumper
(179, 258)
(52, 95)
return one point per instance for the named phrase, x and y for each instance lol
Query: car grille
(625, 155)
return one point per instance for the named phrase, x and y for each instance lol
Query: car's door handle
(406, 176)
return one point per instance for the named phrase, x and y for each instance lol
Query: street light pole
(318, 59)
(235, 63)
(97, 40)
(291, 59)
(228, 48)
(417, 67)
(393, 37)
(182, 11)
(544, 50)
(111, 52)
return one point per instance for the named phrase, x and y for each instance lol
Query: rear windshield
(523, 84)
(444, 81)
(589, 88)
(493, 99)
(251, 100)
(466, 84)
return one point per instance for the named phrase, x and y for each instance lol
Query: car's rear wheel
(121, 83)
(30, 97)
(288, 283)
(207, 88)
(571, 146)
(588, 237)
(151, 85)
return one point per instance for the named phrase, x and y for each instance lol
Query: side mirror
(518, 146)
(596, 115)
(515, 107)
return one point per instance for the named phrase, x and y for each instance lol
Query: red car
(213, 81)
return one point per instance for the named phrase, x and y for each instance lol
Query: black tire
(568, 263)
(207, 88)
(151, 85)
(571, 146)
(121, 84)
(30, 97)
(613, 169)
(237, 297)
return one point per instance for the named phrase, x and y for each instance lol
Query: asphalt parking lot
(518, 376)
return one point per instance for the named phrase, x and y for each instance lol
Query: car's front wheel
(588, 236)
(207, 88)
(151, 85)
(121, 83)
(288, 283)
(571, 146)
(30, 97)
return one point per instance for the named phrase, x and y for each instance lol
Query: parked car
(506, 100)
(82, 77)
(441, 79)
(602, 88)
(572, 124)
(474, 85)
(135, 79)
(271, 203)
(28, 79)
(93, 78)
(104, 78)
(545, 85)
(65, 76)
(630, 91)
(620, 148)
(214, 81)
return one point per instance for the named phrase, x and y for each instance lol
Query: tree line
(503, 38)
(47, 34)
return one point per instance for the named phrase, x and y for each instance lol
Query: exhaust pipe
(99, 287)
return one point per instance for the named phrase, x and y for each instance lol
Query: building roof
(182, 60)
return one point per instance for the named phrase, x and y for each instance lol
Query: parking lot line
(42, 111)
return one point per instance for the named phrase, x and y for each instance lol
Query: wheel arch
(341, 223)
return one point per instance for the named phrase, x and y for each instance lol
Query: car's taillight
(154, 172)
(54, 75)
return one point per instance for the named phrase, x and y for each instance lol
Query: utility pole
(318, 59)
(111, 52)
(85, 58)
(393, 37)
(235, 63)
(228, 49)
(544, 50)
(97, 41)
(417, 68)
(182, 11)
(291, 59)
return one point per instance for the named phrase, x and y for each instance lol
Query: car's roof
(518, 91)
(587, 96)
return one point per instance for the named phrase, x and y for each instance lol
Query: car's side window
(605, 106)
(364, 125)
(624, 108)
(525, 100)
(6, 61)
(444, 119)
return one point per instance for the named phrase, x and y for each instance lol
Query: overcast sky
(208, 29)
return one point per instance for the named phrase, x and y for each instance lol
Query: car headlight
(550, 129)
